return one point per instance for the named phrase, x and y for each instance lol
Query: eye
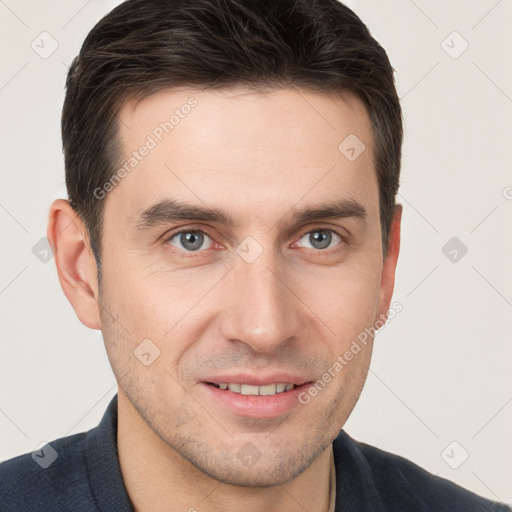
(195, 240)
(320, 239)
(190, 240)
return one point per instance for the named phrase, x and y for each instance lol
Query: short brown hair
(143, 46)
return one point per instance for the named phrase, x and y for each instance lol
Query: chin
(250, 466)
(261, 477)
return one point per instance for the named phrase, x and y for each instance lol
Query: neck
(157, 478)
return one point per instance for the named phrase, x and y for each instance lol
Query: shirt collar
(103, 469)
(355, 484)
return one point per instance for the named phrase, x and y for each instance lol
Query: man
(231, 228)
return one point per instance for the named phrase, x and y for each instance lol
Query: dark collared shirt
(81, 473)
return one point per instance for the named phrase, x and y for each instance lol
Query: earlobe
(389, 267)
(76, 266)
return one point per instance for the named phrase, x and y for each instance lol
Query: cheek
(167, 307)
(172, 307)
(345, 298)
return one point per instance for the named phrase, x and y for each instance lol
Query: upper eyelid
(320, 228)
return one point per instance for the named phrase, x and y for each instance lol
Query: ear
(76, 266)
(387, 282)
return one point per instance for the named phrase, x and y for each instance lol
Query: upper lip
(258, 380)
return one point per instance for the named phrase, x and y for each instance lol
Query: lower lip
(255, 406)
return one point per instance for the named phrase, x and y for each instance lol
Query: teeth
(269, 389)
(248, 389)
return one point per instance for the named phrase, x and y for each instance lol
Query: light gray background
(441, 369)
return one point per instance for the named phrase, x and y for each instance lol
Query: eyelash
(197, 254)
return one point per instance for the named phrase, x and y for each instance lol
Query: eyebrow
(170, 210)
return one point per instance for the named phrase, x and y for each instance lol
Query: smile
(248, 389)
(265, 399)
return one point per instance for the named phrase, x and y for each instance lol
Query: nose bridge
(261, 310)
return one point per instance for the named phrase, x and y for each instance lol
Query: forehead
(249, 151)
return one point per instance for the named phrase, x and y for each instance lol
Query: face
(257, 292)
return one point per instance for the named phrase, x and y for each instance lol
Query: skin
(295, 308)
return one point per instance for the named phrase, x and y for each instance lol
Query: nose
(261, 309)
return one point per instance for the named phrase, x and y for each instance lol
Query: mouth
(253, 390)
(255, 397)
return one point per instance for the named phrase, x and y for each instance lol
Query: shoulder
(399, 484)
(51, 478)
